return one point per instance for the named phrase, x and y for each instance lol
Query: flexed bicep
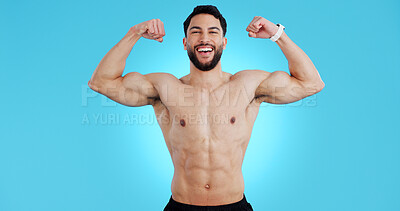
(133, 89)
(281, 88)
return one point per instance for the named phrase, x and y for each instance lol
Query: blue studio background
(65, 147)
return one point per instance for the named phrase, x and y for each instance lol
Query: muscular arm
(303, 81)
(133, 89)
(279, 87)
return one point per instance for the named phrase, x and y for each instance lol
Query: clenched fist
(152, 29)
(260, 27)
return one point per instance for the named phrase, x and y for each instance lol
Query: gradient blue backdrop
(64, 147)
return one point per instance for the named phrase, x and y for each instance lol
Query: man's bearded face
(205, 50)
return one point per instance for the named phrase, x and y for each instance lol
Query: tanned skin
(206, 116)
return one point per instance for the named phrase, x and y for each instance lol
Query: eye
(214, 32)
(195, 32)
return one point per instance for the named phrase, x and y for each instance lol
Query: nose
(204, 38)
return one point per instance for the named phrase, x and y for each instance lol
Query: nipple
(183, 122)
(207, 186)
(233, 119)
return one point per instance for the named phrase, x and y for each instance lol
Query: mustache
(204, 45)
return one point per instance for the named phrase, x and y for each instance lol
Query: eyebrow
(209, 28)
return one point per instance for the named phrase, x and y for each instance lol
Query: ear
(184, 44)
(225, 41)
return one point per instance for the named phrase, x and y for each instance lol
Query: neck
(206, 79)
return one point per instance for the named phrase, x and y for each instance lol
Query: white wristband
(278, 34)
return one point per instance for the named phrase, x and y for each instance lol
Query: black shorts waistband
(178, 206)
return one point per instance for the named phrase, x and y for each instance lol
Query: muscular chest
(198, 112)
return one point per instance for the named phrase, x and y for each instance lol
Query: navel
(207, 186)
(233, 119)
(183, 123)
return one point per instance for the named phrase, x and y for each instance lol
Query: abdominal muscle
(207, 172)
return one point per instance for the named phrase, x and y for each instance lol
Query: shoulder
(185, 79)
(250, 74)
(161, 75)
(162, 78)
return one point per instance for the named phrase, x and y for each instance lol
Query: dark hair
(205, 9)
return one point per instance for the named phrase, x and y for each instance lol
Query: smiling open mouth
(205, 50)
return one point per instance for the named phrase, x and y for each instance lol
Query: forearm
(300, 65)
(113, 63)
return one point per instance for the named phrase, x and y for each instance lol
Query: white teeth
(204, 49)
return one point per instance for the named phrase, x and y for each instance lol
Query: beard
(205, 66)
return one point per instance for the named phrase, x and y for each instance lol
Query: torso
(207, 133)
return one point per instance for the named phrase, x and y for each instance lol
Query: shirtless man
(206, 116)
